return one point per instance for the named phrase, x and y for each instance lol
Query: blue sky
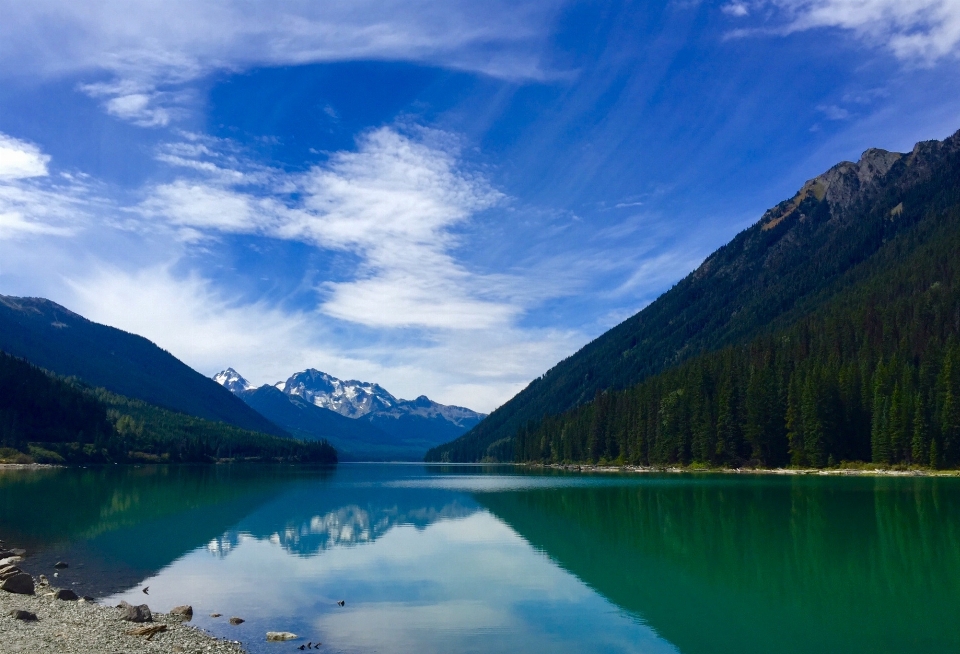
(444, 198)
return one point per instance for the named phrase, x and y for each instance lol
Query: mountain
(48, 419)
(362, 420)
(56, 339)
(800, 256)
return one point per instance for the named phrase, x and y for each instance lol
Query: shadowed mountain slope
(794, 259)
(53, 337)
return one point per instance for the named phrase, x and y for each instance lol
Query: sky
(446, 198)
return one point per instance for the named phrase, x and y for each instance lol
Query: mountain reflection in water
(474, 559)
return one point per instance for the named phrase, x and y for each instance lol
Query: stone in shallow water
(66, 594)
(26, 616)
(237, 620)
(20, 583)
(60, 565)
(185, 611)
(275, 636)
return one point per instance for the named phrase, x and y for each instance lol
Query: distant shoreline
(828, 472)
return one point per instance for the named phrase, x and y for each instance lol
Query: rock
(66, 594)
(9, 571)
(237, 620)
(87, 598)
(43, 580)
(20, 583)
(148, 631)
(10, 560)
(18, 552)
(215, 615)
(60, 565)
(185, 611)
(275, 636)
(26, 616)
(139, 613)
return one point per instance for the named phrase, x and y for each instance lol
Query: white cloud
(397, 204)
(149, 49)
(737, 9)
(916, 30)
(394, 202)
(20, 160)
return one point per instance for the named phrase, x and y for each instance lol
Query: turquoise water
(495, 559)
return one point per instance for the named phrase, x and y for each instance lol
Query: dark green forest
(792, 264)
(50, 419)
(872, 376)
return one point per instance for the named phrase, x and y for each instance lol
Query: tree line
(51, 419)
(873, 376)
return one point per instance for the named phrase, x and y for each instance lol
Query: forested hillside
(50, 419)
(817, 254)
(56, 339)
(872, 376)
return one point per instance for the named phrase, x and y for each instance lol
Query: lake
(500, 559)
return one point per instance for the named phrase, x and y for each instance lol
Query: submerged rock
(60, 565)
(237, 620)
(275, 636)
(20, 583)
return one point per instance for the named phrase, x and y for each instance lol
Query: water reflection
(457, 559)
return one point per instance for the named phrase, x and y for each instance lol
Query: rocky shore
(841, 471)
(36, 616)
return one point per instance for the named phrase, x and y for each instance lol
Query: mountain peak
(232, 380)
(350, 398)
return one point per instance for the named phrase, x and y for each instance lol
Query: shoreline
(79, 626)
(827, 472)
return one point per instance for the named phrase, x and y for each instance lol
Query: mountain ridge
(361, 419)
(64, 342)
(767, 275)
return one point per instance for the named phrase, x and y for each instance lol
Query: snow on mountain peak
(232, 380)
(350, 398)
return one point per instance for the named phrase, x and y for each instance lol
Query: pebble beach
(84, 627)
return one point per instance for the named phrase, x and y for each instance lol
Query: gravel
(83, 627)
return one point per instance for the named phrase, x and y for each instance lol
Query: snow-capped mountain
(348, 398)
(361, 419)
(356, 399)
(233, 381)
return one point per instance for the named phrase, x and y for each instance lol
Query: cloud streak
(149, 49)
(922, 31)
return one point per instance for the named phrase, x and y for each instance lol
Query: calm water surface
(494, 559)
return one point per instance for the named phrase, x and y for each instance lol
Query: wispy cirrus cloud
(921, 31)
(144, 52)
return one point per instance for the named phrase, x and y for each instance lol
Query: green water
(473, 559)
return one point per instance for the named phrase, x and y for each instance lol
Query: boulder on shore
(140, 613)
(20, 583)
(26, 616)
(185, 611)
(66, 594)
